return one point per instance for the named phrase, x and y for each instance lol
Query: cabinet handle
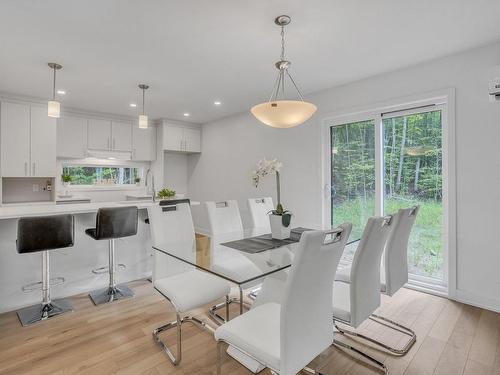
(34, 168)
(25, 168)
(108, 143)
(133, 153)
(114, 143)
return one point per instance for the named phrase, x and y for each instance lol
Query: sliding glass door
(353, 175)
(389, 161)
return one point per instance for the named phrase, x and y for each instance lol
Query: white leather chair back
(172, 229)
(223, 217)
(306, 311)
(365, 270)
(396, 250)
(259, 212)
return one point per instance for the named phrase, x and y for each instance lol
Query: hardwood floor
(116, 339)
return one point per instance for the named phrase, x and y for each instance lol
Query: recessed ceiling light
(217, 103)
(186, 114)
(133, 105)
(61, 92)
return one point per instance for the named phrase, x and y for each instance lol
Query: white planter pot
(278, 231)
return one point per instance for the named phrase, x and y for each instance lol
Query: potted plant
(138, 181)
(165, 194)
(279, 218)
(66, 179)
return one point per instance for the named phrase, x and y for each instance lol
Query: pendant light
(280, 112)
(53, 106)
(143, 119)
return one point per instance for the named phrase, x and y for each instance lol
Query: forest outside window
(410, 165)
(84, 175)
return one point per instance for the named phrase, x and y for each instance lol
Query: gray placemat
(264, 242)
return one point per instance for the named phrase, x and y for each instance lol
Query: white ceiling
(197, 51)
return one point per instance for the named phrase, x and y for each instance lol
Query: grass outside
(425, 250)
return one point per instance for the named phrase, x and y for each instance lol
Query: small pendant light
(280, 112)
(53, 106)
(143, 119)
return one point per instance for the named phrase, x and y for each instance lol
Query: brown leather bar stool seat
(112, 223)
(42, 234)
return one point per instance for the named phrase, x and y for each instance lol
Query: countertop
(23, 210)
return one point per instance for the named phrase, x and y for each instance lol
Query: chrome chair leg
(397, 327)
(389, 324)
(374, 362)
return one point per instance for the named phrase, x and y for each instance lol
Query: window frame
(115, 163)
(441, 100)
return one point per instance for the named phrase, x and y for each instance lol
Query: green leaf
(285, 220)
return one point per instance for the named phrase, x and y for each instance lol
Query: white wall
(232, 146)
(175, 172)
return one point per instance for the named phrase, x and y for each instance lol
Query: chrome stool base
(111, 294)
(34, 314)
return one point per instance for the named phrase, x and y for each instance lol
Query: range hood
(118, 155)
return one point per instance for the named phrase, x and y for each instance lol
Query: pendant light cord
(54, 86)
(143, 100)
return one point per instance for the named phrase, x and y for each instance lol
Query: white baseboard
(478, 301)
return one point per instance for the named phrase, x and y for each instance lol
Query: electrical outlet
(36, 188)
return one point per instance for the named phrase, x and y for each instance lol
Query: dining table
(244, 258)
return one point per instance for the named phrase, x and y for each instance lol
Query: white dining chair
(223, 217)
(183, 285)
(355, 301)
(259, 212)
(279, 335)
(393, 274)
(225, 221)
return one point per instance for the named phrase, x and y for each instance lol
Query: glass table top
(233, 265)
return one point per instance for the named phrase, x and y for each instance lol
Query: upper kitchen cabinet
(43, 143)
(183, 139)
(99, 134)
(15, 139)
(109, 135)
(121, 136)
(71, 137)
(144, 143)
(28, 141)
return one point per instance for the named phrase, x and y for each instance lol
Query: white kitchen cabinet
(121, 136)
(99, 134)
(181, 139)
(43, 143)
(15, 139)
(144, 143)
(28, 141)
(173, 138)
(71, 137)
(192, 140)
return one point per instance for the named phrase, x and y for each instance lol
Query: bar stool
(41, 234)
(111, 223)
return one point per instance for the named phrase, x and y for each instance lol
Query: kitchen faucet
(152, 184)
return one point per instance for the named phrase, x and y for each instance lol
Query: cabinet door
(71, 137)
(192, 140)
(121, 136)
(43, 143)
(173, 138)
(144, 143)
(99, 134)
(15, 139)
